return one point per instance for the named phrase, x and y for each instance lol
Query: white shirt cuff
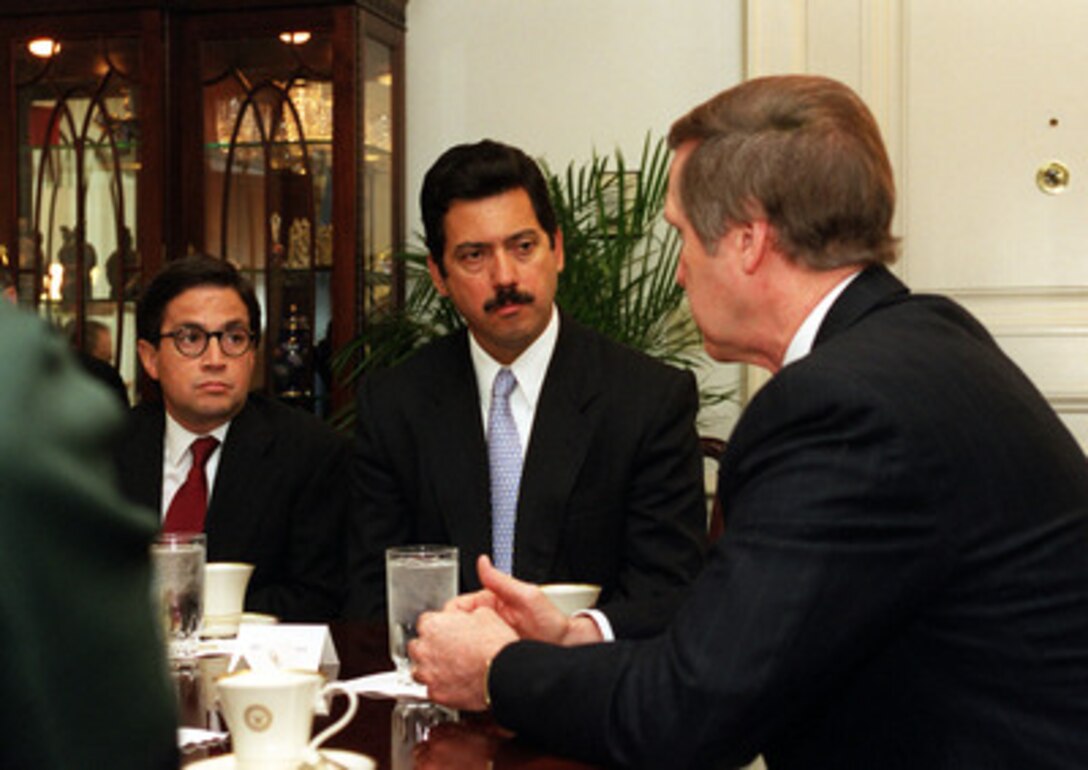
(601, 620)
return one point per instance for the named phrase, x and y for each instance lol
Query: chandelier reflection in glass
(305, 114)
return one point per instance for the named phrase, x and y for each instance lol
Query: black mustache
(507, 295)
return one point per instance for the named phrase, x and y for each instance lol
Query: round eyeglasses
(191, 341)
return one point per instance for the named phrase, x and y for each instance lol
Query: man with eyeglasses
(272, 492)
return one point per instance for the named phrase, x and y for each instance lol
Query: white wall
(967, 132)
(561, 79)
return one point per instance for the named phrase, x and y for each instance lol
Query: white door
(983, 107)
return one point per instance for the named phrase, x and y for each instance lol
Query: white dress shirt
(801, 344)
(529, 370)
(177, 459)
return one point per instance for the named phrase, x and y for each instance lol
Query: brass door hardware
(1052, 178)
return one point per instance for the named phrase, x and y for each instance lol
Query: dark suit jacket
(279, 502)
(902, 582)
(83, 679)
(611, 488)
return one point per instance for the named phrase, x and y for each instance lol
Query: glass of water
(177, 562)
(411, 725)
(417, 578)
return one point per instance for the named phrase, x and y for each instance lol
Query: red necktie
(187, 509)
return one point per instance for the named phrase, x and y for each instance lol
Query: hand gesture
(527, 610)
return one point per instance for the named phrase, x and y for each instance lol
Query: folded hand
(452, 653)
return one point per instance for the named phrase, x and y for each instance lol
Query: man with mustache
(606, 484)
(271, 482)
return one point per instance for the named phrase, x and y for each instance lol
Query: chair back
(715, 525)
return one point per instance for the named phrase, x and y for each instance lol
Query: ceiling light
(295, 38)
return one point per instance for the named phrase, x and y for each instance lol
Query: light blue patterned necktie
(504, 458)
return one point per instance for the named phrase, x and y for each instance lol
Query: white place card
(287, 645)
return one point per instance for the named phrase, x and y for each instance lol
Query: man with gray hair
(902, 581)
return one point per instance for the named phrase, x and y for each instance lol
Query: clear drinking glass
(417, 578)
(177, 560)
(411, 725)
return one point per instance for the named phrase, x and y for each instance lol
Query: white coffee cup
(224, 596)
(270, 716)
(571, 597)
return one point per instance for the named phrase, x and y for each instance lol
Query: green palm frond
(392, 333)
(620, 256)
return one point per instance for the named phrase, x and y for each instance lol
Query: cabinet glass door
(379, 177)
(78, 168)
(267, 125)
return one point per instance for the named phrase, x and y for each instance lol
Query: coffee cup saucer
(219, 630)
(260, 618)
(349, 759)
(215, 630)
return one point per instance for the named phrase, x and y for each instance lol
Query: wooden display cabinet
(270, 136)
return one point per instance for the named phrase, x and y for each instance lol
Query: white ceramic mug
(270, 715)
(224, 596)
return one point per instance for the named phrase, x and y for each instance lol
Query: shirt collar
(529, 368)
(178, 439)
(801, 344)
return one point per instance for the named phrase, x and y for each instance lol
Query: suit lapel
(565, 423)
(459, 471)
(232, 518)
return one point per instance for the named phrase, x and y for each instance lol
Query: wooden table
(413, 736)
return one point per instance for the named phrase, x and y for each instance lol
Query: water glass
(417, 578)
(177, 561)
(411, 725)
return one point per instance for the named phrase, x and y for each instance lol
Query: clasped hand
(455, 647)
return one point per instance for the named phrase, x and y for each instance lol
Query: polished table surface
(412, 735)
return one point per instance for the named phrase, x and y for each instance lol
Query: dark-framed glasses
(192, 340)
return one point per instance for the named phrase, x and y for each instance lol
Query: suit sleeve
(664, 532)
(831, 541)
(380, 516)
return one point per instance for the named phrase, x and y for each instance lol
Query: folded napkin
(190, 738)
(387, 684)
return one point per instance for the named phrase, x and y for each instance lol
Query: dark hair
(186, 273)
(804, 152)
(90, 327)
(476, 171)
